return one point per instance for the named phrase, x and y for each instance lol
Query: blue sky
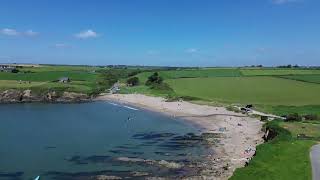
(161, 32)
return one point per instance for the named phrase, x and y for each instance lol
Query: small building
(6, 68)
(64, 80)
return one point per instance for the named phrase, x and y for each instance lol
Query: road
(315, 162)
(262, 114)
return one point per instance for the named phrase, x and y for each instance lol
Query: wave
(128, 107)
(114, 104)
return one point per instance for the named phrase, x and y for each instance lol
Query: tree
(133, 81)
(15, 70)
(154, 79)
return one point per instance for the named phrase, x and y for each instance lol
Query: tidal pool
(81, 141)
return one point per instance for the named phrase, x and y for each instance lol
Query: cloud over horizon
(86, 34)
(9, 32)
(14, 32)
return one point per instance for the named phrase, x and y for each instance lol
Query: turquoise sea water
(80, 141)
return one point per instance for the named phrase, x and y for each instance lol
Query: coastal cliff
(23, 96)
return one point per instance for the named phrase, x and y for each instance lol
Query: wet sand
(241, 133)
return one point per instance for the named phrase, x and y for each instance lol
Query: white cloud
(86, 34)
(192, 50)
(13, 32)
(31, 33)
(9, 32)
(284, 1)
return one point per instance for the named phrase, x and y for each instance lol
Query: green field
(283, 110)
(49, 76)
(206, 72)
(309, 129)
(284, 157)
(43, 78)
(253, 90)
(277, 72)
(313, 78)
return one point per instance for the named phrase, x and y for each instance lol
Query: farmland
(277, 72)
(256, 90)
(44, 78)
(194, 73)
(313, 78)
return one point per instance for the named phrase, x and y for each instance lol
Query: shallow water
(79, 141)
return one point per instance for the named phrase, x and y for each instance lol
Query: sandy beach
(242, 133)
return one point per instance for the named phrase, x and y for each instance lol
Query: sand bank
(242, 133)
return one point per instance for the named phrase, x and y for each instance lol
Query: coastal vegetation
(284, 157)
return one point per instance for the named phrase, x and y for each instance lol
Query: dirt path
(315, 162)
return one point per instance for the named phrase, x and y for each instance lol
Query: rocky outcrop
(23, 96)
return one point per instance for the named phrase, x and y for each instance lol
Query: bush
(293, 117)
(276, 133)
(310, 117)
(154, 79)
(133, 81)
(15, 70)
(133, 73)
(232, 108)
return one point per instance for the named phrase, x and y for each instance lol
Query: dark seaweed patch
(121, 151)
(50, 147)
(173, 142)
(84, 175)
(11, 176)
(152, 136)
(89, 159)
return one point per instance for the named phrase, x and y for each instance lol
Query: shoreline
(242, 133)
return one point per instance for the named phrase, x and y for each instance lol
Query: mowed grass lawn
(249, 90)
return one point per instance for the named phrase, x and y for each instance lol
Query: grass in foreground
(284, 158)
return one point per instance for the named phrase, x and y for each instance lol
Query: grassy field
(277, 72)
(313, 78)
(83, 79)
(207, 72)
(283, 158)
(49, 76)
(309, 129)
(253, 90)
(283, 110)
